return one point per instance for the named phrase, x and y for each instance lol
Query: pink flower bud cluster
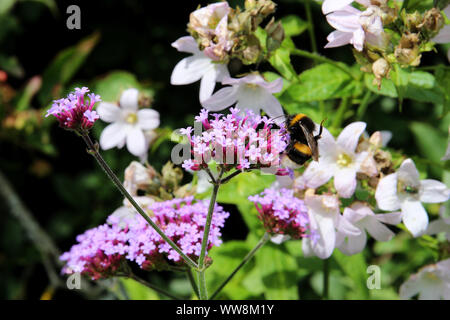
(75, 112)
(243, 142)
(282, 213)
(100, 251)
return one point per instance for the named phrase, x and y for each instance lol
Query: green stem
(249, 255)
(201, 260)
(363, 105)
(152, 286)
(312, 35)
(93, 150)
(339, 118)
(193, 283)
(319, 58)
(326, 278)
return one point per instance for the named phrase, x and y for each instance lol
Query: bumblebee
(303, 142)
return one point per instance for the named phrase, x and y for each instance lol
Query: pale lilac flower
(128, 124)
(251, 92)
(404, 190)
(241, 142)
(283, 215)
(338, 159)
(432, 282)
(325, 221)
(440, 225)
(362, 217)
(353, 26)
(75, 112)
(196, 67)
(444, 34)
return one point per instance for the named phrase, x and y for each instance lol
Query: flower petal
(410, 287)
(222, 99)
(438, 226)
(190, 70)
(271, 106)
(108, 112)
(345, 182)
(349, 137)
(433, 191)
(389, 218)
(377, 230)
(415, 217)
(350, 245)
(443, 35)
(333, 5)
(386, 193)
(186, 44)
(148, 119)
(408, 174)
(129, 99)
(317, 174)
(136, 141)
(338, 38)
(113, 135)
(208, 84)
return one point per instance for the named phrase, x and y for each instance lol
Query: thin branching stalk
(93, 150)
(249, 255)
(201, 260)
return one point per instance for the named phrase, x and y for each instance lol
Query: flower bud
(433, 20)
(380, 69)
(275, 35)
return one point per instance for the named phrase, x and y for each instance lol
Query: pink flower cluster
(282, 213)
(100, 251)
(75, 112)
(244, 142)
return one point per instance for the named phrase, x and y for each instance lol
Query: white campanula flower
(129, 125)
(362, 217)
(353, 26)
(325, 222)
(251, 92)
(196, 67)
(432, 282)
(338, 159)
(404, 190)
(444, 35)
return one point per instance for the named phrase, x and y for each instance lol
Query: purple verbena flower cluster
(243, 142)
(75, 112)
(282, 213)
(100, 251)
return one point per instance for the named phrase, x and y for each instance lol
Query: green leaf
(431, 142)
(278, 270)
(400, 77)
(64, 66)
(239, 189)
(6, 5)
(355, 268)
(136, 291)
(225, 259)
(51, 5)
(418, 85)
(322, 83)
(11, 65)
(110, 87)
(281, 61)
(387, 86)
(293, 25)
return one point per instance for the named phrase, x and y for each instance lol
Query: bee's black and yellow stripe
(299, 152)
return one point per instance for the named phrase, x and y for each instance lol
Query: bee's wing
(312, 143)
